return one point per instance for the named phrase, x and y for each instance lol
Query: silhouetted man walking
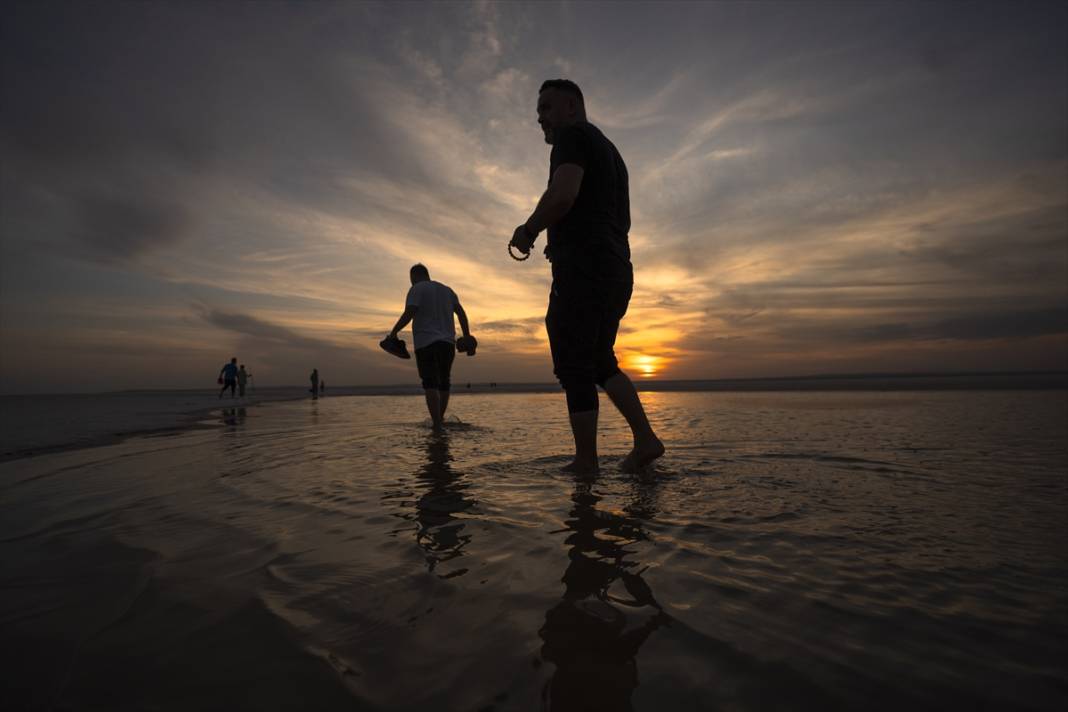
(430, 307)
(586, 209)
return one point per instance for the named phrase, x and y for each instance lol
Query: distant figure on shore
(229, 375)
(586, 209)
(322, 387)
(242, 379)
(430, 307)
(314, 383)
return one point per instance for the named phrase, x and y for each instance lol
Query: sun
(647, 366)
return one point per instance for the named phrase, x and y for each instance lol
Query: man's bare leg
(443, 397)
(584, 428)
(433, 404)
(647, 447)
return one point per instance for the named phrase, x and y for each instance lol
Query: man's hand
(522, 240)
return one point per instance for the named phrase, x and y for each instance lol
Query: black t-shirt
(591, 240)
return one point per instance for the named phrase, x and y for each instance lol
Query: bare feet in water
(641, 455)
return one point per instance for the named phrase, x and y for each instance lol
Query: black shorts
(582, 322)
(435, 364)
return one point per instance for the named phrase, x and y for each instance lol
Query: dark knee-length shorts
(582, 323)
(435, 364)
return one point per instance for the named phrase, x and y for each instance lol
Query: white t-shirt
(433, 322)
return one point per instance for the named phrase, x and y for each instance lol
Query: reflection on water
(233, 416)
(793, 551)
(588, 635)
(440, 532)
(437, 497)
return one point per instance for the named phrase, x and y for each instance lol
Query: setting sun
(645, 365)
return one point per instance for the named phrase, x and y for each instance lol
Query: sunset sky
(815, 188)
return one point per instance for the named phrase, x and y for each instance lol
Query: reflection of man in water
(229, 375)
(440, 533)
(233, 416)
(586, 209)
(430, 306)
(589, 638)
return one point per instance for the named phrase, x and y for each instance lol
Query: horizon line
(637, 382)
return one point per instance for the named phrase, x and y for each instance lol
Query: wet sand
(792, 551)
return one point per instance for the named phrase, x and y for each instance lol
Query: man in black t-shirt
(586, 209)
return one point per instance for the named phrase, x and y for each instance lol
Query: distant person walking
(242, 379)
(430, 307)
(314, 382)
(322, 387)
(229, 375)
(586, 209)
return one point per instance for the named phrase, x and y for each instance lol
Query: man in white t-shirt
(430, 306)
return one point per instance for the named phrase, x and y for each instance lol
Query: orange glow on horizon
(646, 365)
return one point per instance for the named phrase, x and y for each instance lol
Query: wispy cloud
(809, 185)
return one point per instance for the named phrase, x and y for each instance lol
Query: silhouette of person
(587, 635)
(430, 307)
(229, 375)
(322, 387)
(242, 379)
(586, 210)
(314, 377)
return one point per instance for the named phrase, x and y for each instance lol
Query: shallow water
(791, 551)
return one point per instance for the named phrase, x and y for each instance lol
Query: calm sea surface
(791, 551)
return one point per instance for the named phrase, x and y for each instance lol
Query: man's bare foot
(641, 455)
(582, 467)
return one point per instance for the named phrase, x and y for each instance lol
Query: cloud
(1005, 325)
(122, 229)
(876, 177)
(263, 330)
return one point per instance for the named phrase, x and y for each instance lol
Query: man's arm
(409, 312)
(461, 316)
(557, 199)
(554, 204)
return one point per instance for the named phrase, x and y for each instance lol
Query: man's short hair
(419, 270)
(565, 85)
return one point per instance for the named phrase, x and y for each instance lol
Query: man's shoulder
(578, 133)
(430, 289)
(583, 136)
(585, 128)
